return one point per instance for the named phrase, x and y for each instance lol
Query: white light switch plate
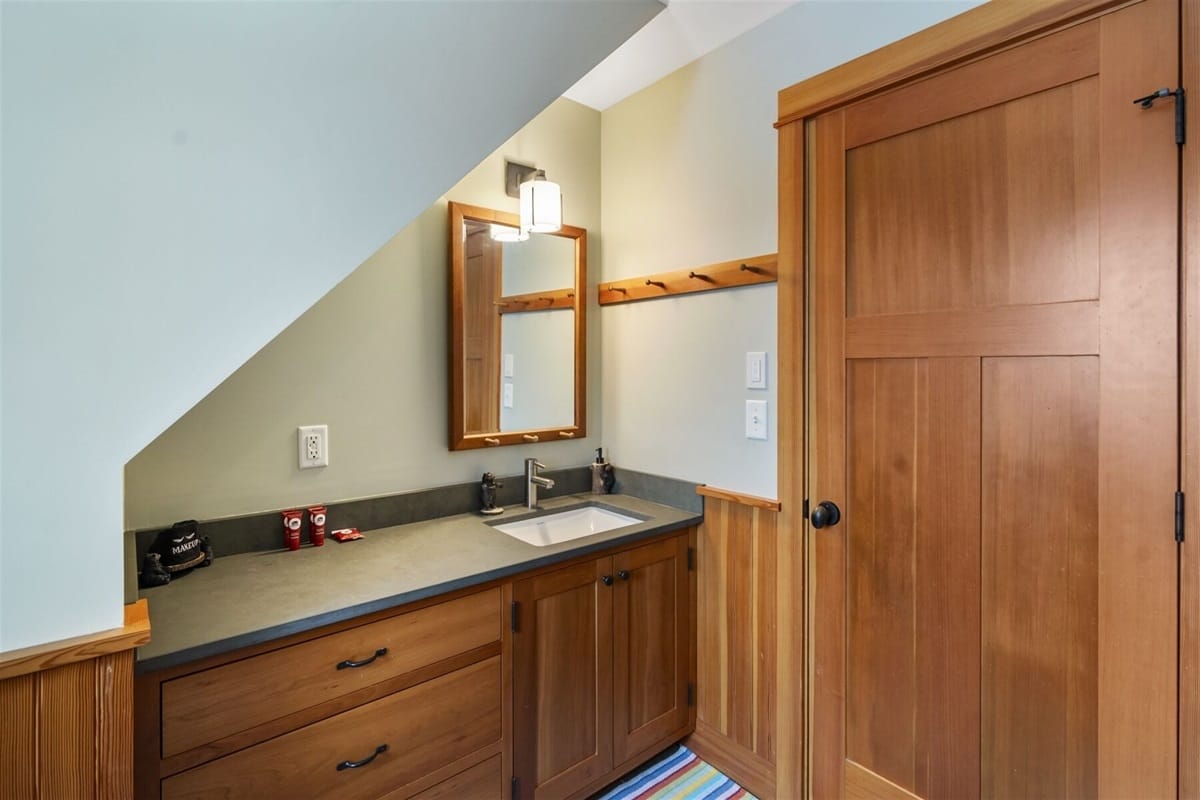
(508, 365)
(756, 370)
(756, 419)
(508, 394)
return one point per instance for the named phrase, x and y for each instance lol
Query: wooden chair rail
(134, 633)
(725, 275)
(738, 497)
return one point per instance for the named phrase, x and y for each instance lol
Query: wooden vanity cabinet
(549, 686)
(602, 668)
(410, 703)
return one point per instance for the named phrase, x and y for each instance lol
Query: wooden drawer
(424, 727)
(206, 706)
(484, 781)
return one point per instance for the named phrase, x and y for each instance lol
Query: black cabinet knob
(623, 574)
(606, 580)
(825, 514)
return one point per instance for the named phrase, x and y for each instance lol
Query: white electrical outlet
(508, 395)
(508, 365)
(314, 446)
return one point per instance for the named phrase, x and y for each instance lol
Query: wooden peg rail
(747, 271)
(536, 301)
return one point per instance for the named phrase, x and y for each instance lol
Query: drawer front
(204, 707)
(425, 727)
(480, 782)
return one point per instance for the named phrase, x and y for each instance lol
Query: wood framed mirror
(518, 371)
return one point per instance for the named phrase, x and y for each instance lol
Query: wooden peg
(529, 437)
(699, 276)
(567, 434)
(659, 284)
(491, 442)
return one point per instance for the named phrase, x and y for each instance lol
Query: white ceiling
(685, 31)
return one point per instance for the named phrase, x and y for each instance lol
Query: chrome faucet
(533, 480)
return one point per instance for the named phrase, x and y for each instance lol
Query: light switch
(756, 370)
(508, 391)
(756, 419)
(508, 365)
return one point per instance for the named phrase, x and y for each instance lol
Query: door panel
(651, 663)
(563, 680)
(913, 580)
(993, 379)
(995, 207)
(1040, 622)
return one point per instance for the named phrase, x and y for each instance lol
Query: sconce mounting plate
(514, 175)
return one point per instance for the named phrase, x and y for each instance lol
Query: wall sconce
(541, 200)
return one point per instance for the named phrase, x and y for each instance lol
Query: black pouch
(180, 547)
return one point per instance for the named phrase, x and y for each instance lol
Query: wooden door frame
(1189, 584)
(975, 34)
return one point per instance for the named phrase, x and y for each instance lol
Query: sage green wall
(369, 360)
(689, 178)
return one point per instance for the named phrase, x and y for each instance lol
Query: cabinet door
(563, 680)
(651, 657)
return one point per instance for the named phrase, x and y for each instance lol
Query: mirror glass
(517, 373)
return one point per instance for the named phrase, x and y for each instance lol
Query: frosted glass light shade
(541, 206)
(505, 233)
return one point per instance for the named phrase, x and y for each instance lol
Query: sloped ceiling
(687, 30)
(182, 180)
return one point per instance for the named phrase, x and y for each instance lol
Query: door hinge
(516, 787)
(690, 694)
(691, 559)
(514, 615)
(1179, 520)
(806, 508)
(1180, 109)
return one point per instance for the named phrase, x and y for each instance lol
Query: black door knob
(826, 513)
(623, 574)
(606, 580)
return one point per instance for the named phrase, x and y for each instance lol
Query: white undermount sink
(563, 526)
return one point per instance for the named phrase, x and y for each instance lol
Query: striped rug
(681, 775)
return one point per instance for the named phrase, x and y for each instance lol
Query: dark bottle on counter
(487, 494)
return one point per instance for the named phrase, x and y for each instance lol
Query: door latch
(1180, 109)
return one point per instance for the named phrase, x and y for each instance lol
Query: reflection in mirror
(517, 329)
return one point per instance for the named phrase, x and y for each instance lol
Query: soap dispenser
(599, 469)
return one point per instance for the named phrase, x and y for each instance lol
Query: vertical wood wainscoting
(736, 580)
(67, 715)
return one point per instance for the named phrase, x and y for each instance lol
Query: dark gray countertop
(252, 598)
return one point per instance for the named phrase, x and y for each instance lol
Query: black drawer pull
(356, 764)
(623, 574)
(348, 664)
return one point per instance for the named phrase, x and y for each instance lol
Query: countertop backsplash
(264, 532)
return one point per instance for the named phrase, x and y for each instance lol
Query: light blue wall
(182, 180)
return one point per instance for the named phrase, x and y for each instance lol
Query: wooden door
(563, 679)
(651, 648)
(482, 264)
(994, 288)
